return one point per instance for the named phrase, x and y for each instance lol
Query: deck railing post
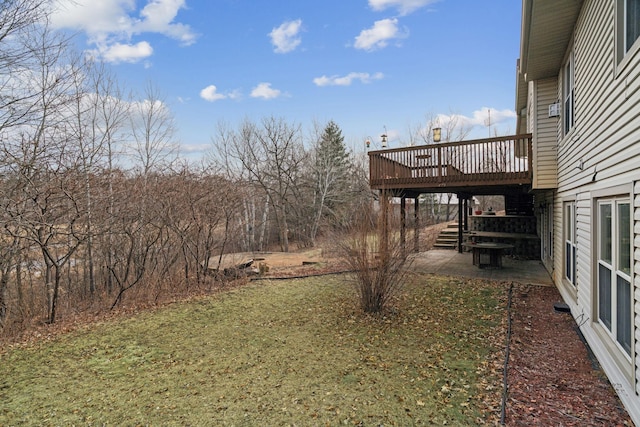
(439, 164)
(416, 224)
(460, 222)
(403, 223)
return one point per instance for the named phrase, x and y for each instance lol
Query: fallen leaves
(549, 383)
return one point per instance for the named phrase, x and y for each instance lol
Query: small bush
(375, 253)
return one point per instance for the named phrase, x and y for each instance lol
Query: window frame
(568, 93)
(624, 46)
(628, 44)
(609, 276)
(570, 231)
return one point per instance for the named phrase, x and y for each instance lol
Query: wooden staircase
(448, 238)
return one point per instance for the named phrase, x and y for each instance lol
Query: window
(631, 23)
(567, 93)
(627, 26)
(614, 270)
(570, 246)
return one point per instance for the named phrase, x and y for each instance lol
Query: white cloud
(143, 107)
(111, 24)
(234, 94)
(158, 16)
(119, 52)
(285, 37)
(97, 18)
(265, 91)
(378, 36)
(346, 80)
(195, 148)
(486, 115)
(460, 125)
(404, 7)
(210, 93)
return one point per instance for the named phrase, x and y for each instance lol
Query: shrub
(376, 254)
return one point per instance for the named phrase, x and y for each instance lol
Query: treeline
(96, 205)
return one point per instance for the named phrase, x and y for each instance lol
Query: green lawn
(294, 352)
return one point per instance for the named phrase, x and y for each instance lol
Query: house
(573, 169)
(578, 94)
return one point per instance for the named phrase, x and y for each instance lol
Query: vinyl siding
(605, 140)
(606, 135)
(584, 258)
(530, 110)
(558, 246)
(594, 51)
(583, 239)
(636, 273)
(545, 142)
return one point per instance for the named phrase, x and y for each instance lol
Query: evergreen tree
(332, 170)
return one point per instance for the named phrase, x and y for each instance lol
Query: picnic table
(491, 250)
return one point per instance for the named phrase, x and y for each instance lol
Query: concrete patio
(452, 263)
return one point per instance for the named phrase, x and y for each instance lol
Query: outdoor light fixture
(369, 142)
(437, 134)
(383, 138)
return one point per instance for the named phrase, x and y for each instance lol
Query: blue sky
(366, 64)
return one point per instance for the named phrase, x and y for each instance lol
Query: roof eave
(547, 29)
(546, 32)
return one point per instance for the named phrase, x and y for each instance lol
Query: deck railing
(481, 162)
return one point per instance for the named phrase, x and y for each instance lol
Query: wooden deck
(472, 167)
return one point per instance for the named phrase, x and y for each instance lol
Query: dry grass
(295, 352)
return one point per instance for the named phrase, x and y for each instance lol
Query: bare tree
(269, 155)
(153, 152)
(134, 238)
(45, 208)
(57, 228)
(96, 117)
(19, 20)
(10, 248)
(199, 209)
(227, 144)
(20, 99)
(154, 147)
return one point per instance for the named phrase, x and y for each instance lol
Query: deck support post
(460, 222)
(466, 214)
(416, 225)
(385, 204)
(403, 223)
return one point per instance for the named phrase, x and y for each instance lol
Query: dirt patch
(316, 259)
(283, 264)
(272, 259)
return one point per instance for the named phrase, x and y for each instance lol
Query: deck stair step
(448, 237)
